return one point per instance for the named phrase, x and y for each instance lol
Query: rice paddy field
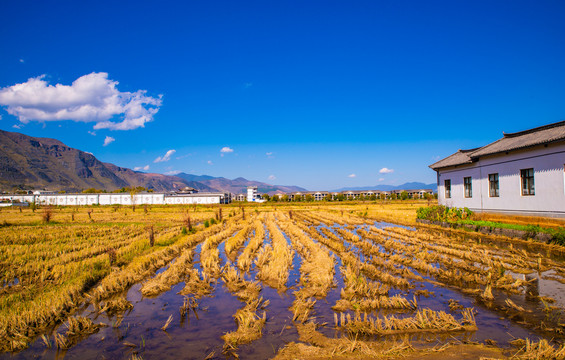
(284, 281)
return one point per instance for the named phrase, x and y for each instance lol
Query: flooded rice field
(280, 283)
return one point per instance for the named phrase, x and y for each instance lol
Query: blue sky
(320, 94)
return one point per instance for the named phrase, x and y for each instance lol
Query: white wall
(204, 199)
(548, 164)
(116, 199)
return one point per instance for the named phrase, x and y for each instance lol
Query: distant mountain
(41, 163)
(238, 185)
(406, 186)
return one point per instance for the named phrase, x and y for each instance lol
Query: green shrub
(443, 213)
(558, 236)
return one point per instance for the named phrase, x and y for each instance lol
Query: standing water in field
(247, 288)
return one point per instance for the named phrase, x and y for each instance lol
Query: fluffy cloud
(139, 168)
(172, 172)
(108, 140)
(381, 179)
(90, 98)
(165, 157)
(272, 177)
(17, 126)
(386, 171)
(351, 175)
(93, 133)
(226, 149)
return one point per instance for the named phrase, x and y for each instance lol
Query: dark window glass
(447, 188)
(527, 179)
(493, 185)
(468, 187)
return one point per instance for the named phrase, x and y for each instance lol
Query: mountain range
(406, 186)
(42, 163)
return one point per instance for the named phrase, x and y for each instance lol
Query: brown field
(312, 281)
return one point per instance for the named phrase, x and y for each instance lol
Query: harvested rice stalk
(196, 284)
(246, 258)
(249, 325)
(531, 350)
(210, 254)
(235, 242)
(117, 305)
(275, 271)
(425, 320)
(77, 328)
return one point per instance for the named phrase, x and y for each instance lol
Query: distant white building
(121, 198)
(521, 173)
(252, 195)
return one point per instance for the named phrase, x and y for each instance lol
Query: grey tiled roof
(460, 157)
(512, 141)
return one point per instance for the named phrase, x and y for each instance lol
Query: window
(527, 177)
(447, 188)
(468, 187)
(493, 185)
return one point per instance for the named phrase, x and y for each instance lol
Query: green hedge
(463, 216)
(443, 213)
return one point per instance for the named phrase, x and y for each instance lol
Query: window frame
(447, 188)
(493, 179)
(527, 182)
(468, 186)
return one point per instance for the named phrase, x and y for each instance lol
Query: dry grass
(56, 266)
(276, 261)
(425, 320)
(50, 269)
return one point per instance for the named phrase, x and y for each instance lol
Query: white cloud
(183, 156)
(210, 162)
(93, 133)
(165, 157)
(386, 171)
(18, 126)
(226, 149)
(269, 153)
(272, 177)
(90, 98)
(173, 172)
(108, 140)
(139, 168)
(381, 179)
(351, 175)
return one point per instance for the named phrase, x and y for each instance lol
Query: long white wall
(118, 199)
(549, 179)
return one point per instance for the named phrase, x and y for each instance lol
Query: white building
(252, 194)
(121, 199)
(521, 173)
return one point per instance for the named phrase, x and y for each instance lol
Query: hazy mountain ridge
(238, 185)
(405, 186)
